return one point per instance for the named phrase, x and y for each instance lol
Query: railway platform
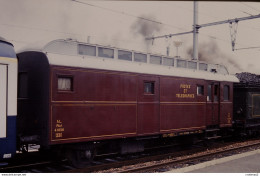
(248, 162)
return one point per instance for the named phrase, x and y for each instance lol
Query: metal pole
(195, 31)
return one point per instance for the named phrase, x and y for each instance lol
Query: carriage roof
(86, 55)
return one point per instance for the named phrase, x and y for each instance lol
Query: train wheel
(79, 158)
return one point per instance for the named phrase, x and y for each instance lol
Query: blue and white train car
(8, 99)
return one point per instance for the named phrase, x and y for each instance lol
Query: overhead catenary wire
(213, 37)
(38, 29)
(250, 6)
(210, 15)
(115, 11)
(127, 14)
(230, 21)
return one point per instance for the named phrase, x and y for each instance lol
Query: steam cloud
(210, 52)
(145, 28)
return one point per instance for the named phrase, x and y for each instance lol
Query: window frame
(137, 59)
(128, 52)
(202, 88)
(203, 66)
(152, 88)
(167, 60)
(103, 56)
(71, 83)
(253, 95)
(209, 93)
(216, 93)
(228, 93)
(86, 54)
(155, 58)
(180, 63)
(190, 65)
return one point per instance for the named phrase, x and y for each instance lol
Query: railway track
(46, 164)
(38, 167)
(158, 163)
(190, 160)
(35, 161)
(137, 163)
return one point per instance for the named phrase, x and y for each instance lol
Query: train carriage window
(209, 96)
(226, 92)
(124, 55)
(216, 89)
(168, 61)
(256, 105)
(138, 57)
(148, 87)
(65, 83)
(192, 65)
(181, 63)
(155, 60)
(105, 52)
(87, 50)
(200, 90)
(203, 66)
(23, 85)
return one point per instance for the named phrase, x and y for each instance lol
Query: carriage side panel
(89, 104)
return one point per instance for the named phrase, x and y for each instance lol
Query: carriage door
(148, 105)
(213, 104)
(3, 92)
(226, 104)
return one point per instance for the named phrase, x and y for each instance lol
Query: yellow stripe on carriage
(8, 59)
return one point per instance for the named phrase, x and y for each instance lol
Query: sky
(31, 24)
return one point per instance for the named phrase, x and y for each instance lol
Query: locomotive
(247, 104)
(79, 99)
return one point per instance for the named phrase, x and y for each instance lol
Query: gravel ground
(208, 151)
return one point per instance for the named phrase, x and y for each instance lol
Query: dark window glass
(209, 96)
(87, 50)
(168, 61)
(105, 52)
(65, 83)
(23, 85)
(226, 92)
(203, 67)
(216, 93)
(181, 63)
(155, 60)
(256, 104)
(140, 57)
(192, 65)
(149, 88)
(124, 55)
(200, 90)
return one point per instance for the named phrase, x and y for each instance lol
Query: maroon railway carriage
(78, 93)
